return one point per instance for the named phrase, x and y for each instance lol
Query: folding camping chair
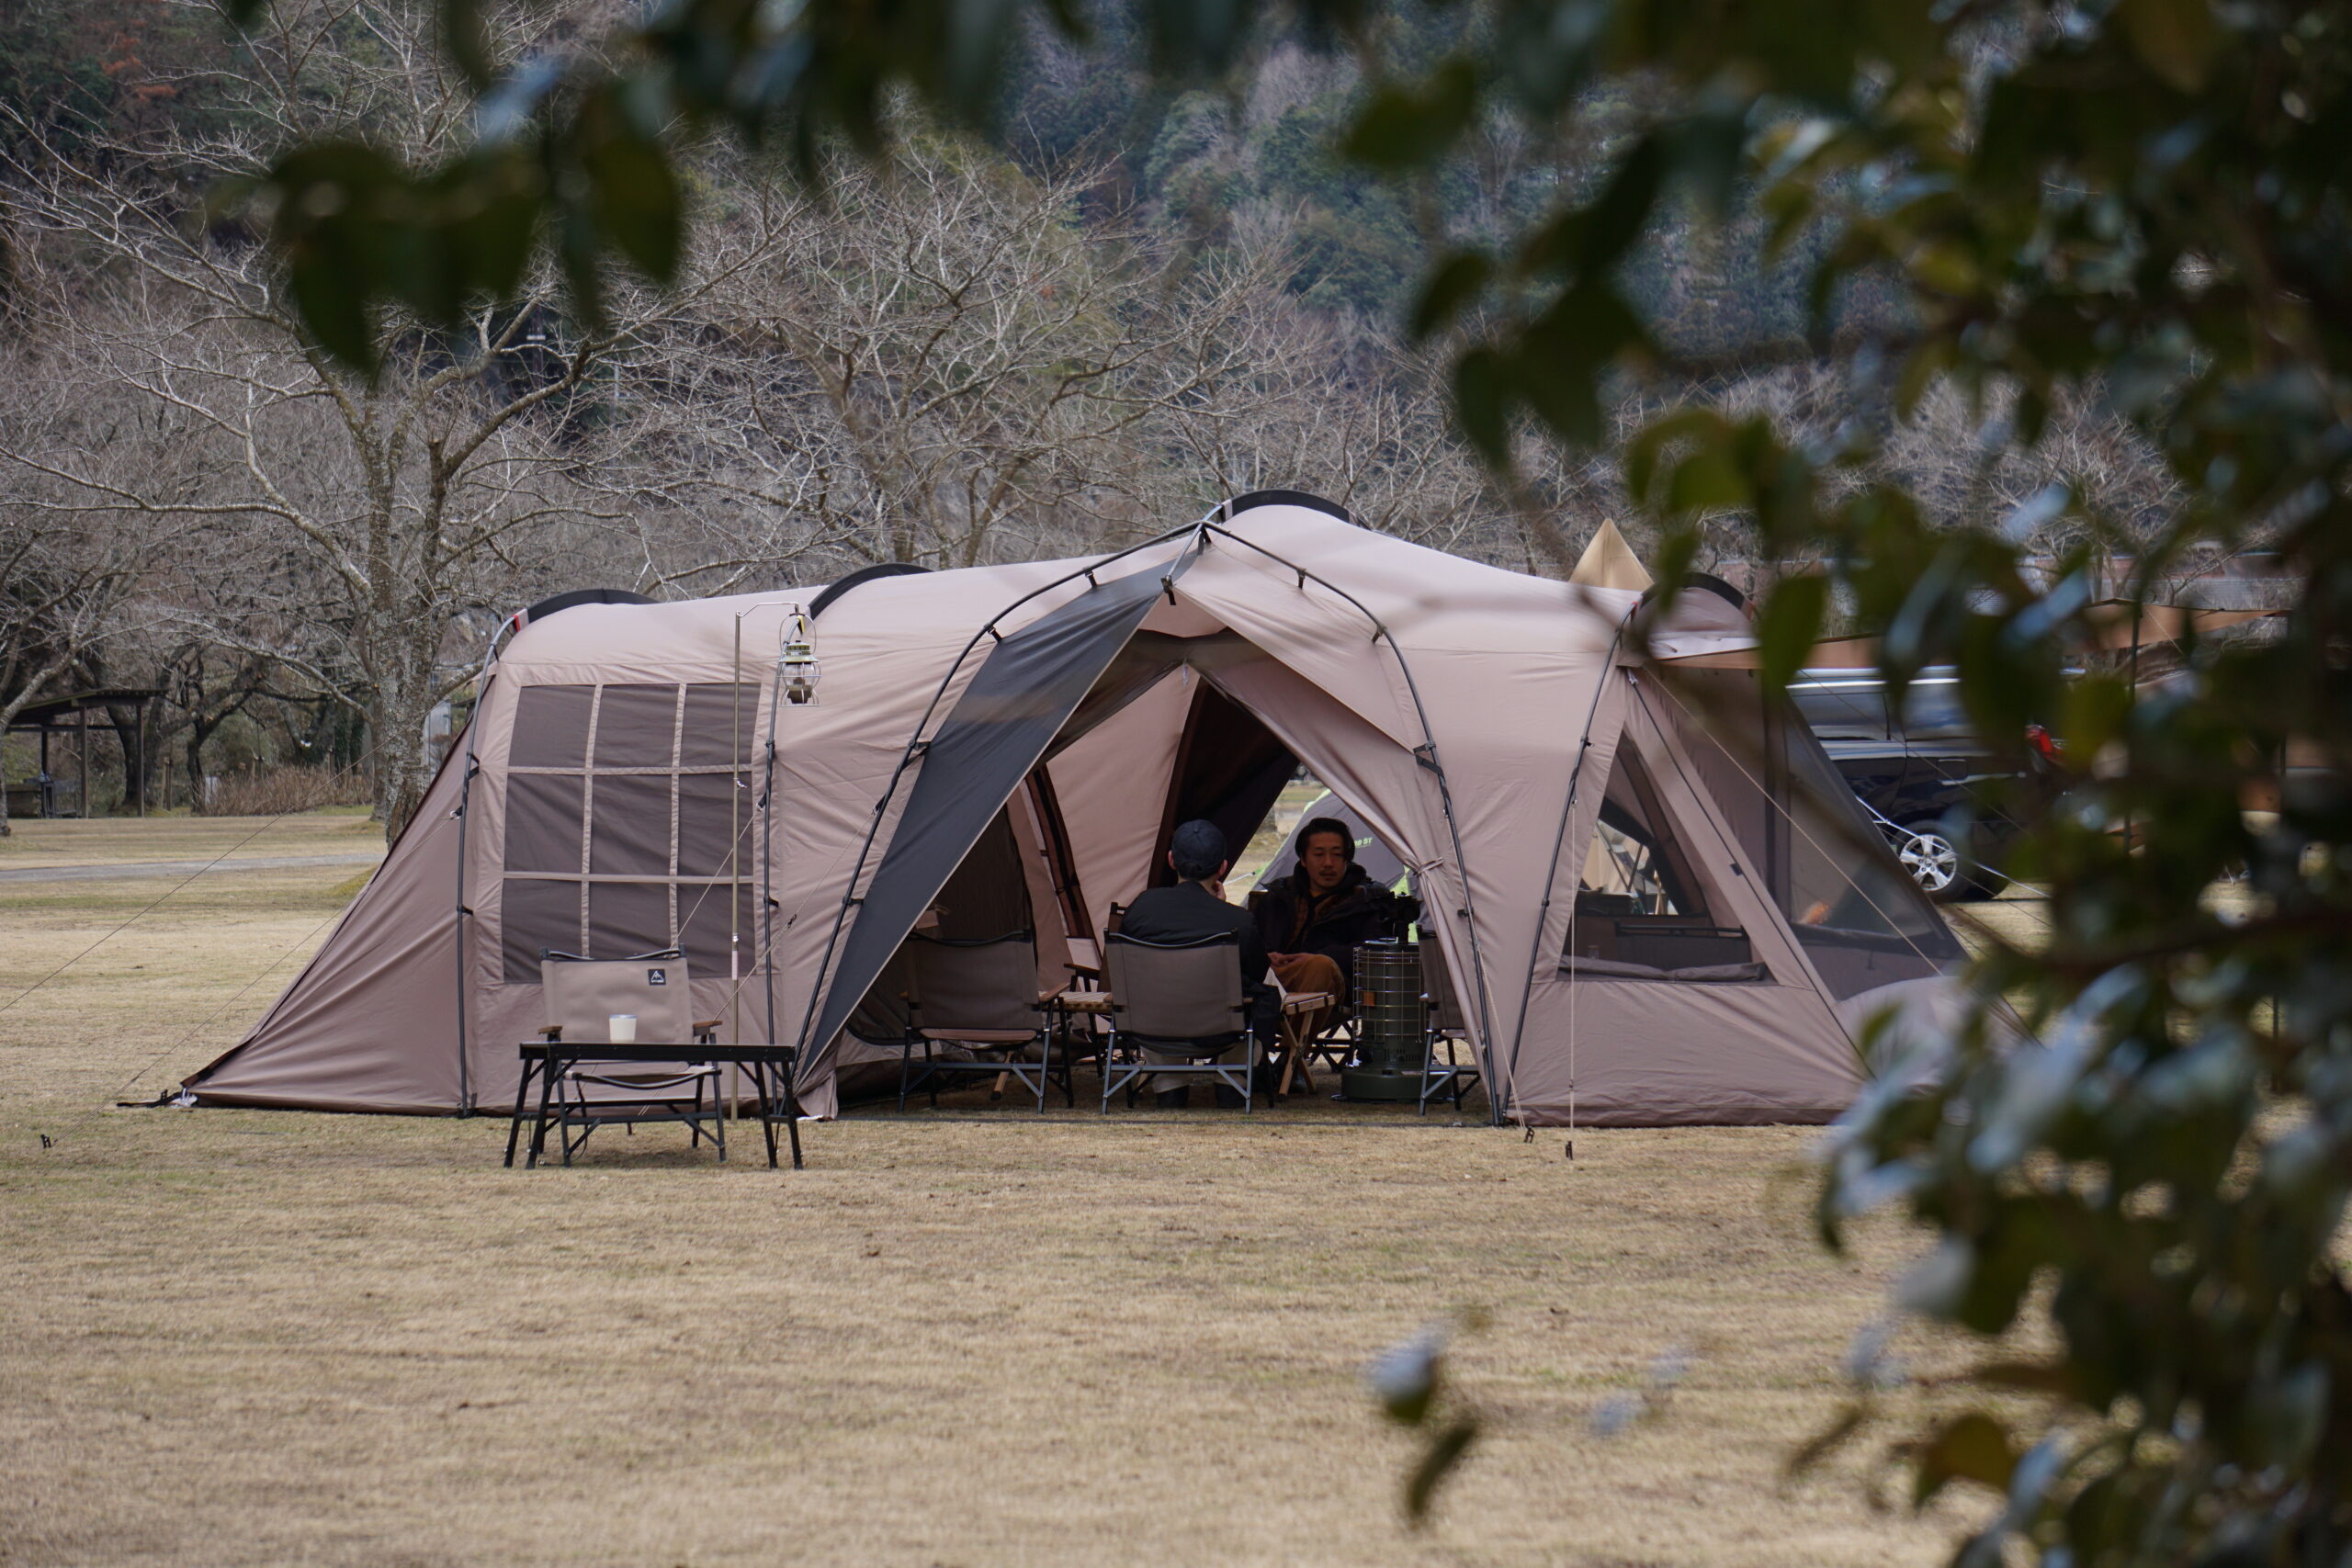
(582, 995)
(983, 994)
(1181, 999)
(1442, 1020)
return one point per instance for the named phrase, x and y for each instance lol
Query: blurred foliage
(2142, 202)
(1409, 1383)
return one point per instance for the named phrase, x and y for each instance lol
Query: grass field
(253, 1337)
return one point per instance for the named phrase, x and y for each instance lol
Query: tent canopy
(1648, 916)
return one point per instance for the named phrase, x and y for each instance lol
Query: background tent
(1014, 742)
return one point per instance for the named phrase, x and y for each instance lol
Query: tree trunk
(197, 732)
(396, 725)
(137, 741)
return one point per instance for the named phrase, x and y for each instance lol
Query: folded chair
(581, 997)
(1442, 1020)
(1181, 999)
(979, 993)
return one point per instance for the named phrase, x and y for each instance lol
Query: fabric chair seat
(1207, 1045)
(980, 994)
(1177, 999)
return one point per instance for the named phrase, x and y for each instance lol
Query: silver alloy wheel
(1930, 858)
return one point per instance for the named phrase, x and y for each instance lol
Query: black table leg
(521, 1099)
(767, 1107)
(539, 1129)
(787, 1067)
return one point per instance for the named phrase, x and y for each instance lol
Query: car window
(1841, 705)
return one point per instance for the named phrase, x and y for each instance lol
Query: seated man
(1195, 907)
(1311, 920)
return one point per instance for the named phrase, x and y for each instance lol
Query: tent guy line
(171, 892)
(142, 869)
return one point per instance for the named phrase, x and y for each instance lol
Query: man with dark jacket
(1193, 909)
(1311, 920)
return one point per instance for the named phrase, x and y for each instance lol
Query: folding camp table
(769, 1067)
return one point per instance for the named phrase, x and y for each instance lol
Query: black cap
(1198, 850)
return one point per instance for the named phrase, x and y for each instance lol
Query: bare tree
(396, 505)
(68, 572)
(949, 368)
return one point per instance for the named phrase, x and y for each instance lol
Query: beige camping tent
(1012, 744)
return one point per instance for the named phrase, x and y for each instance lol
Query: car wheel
(1932, 860)
(1942, 871)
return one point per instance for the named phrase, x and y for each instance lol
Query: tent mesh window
(1637, 899)
(1634, 866)
(1862, 920)
(624, 808)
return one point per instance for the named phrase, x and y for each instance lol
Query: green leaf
(466, 41)
(1788, 627)
(1456, 282)
(1445, 1452)
(2096, 708)
(1655, 440)
(1826, 1441)
(2175, 38)
(1972, 1447)
(1584, 244)
(1405, 127)
(344, 216)
(634, 196)
(2029, 1377)
(1482, 405)
(1406, 1376)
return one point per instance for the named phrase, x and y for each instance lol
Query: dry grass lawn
(253, 1337)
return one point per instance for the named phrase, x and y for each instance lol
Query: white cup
(621, 1027)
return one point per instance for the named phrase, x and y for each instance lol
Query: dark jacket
(1187, 912)
(1291, 918)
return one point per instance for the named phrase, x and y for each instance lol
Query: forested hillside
(1134, 304)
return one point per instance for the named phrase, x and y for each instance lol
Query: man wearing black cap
(1195, 907)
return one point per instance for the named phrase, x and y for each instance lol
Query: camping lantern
(797, 671)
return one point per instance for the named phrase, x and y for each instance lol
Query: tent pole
(1426, 754)
(1560, 841)
(465, 818)
(734, 872)
(763, 962)
(915, 743)
(767, 872)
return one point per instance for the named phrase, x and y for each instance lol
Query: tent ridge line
(1444, 787)
(917, 743)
